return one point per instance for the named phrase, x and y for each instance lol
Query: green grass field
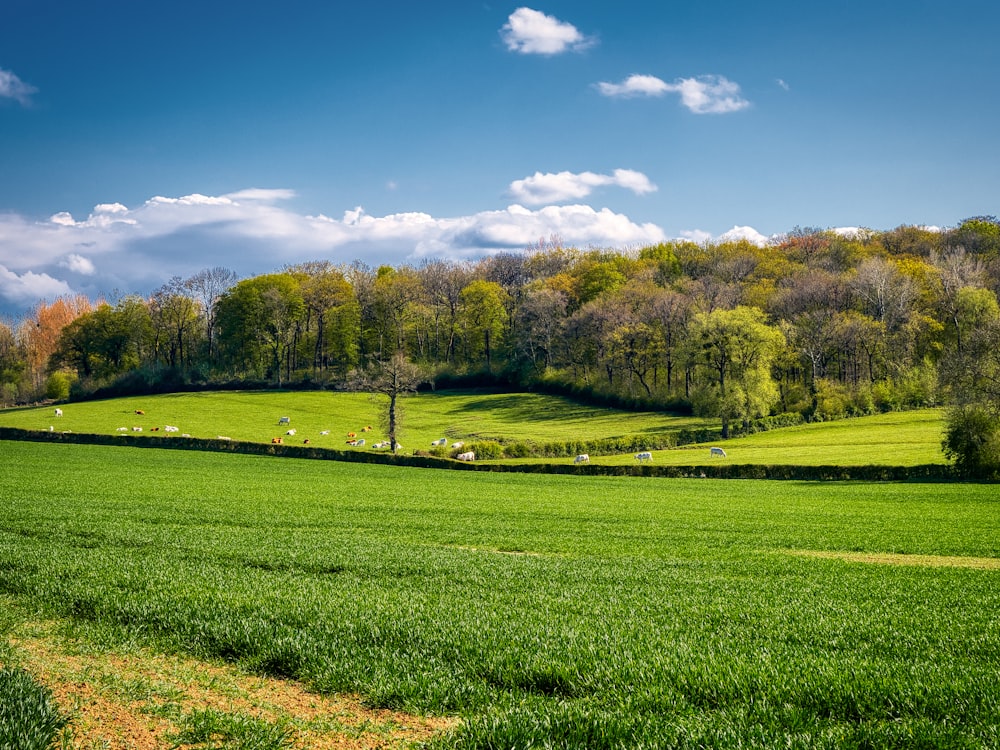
(899, 439)
(253, 415)
(547, 611)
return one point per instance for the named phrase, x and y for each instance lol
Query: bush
(58, 384)
(972, 441)
(832, 400)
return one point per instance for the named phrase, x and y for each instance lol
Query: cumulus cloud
(749, 234)
(531, 32)
(562, 186)
(117, 248)
(12, 87)
(21, 291)
(635, 85)
(708, 94)
(78, 264)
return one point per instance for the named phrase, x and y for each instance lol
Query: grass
(547, 611)
(248, 415)
(907, 438)
(900, 439)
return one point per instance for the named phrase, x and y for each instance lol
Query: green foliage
(57, 385)
(972, 441)
(29, 717)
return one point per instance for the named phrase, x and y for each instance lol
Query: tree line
(820, 324)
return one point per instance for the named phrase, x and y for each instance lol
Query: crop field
(898, 439)
(527, 610)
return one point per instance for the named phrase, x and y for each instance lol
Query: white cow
(467, 456)
(440, 441)
(583, 458)
(122, 429)
(291, 431)
(170, 428)
(324, 432)
(58, 412)
(714, 451)
(643, 456)
(360, 441)
(136, 429)
(457, 445)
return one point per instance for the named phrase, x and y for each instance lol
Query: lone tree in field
(393, 377)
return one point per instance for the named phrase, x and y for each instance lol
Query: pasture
(540, 610)
(253, 416)
(897, 439)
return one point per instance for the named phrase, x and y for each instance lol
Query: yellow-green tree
(734, 350)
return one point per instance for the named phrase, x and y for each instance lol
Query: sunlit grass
(559, 611)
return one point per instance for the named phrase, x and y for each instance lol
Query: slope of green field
(253, 415)
(897, 439)
(907, 438)
(548, 611)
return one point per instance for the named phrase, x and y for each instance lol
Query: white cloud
(123, 249)
(12, 87)
(749, 234)
(708, 94)
(550, 187)
(78, 264)
(265, 195)
(530, 32)
(23, 291)
(781, 83)
(635, 85)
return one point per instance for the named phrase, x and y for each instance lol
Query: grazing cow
(58, 412)
(122, 429)
(170, 428)
(643, 456)
(714, 451)
(367, 428)
(352, 442)
(185, 434)
(305, 442)
(359, 442)
(324, 432)
(291, 431)
(352, 434)
(440, 441)
(457, 445)
(284, 420)
(277, 440)
(154, 429)
(468, 456)
(136, 429)
(583, 458)
(140, 412)
(52, 428)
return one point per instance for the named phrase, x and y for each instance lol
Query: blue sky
(140, 141)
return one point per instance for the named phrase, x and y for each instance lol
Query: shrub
(972, 441)
(57, 385)
(832, 400)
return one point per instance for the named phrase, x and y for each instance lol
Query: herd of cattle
(355, 442)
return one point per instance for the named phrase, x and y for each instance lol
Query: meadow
(543, 611)
(898, 438)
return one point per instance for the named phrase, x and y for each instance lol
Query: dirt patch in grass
(140, 700)
(926, 561)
